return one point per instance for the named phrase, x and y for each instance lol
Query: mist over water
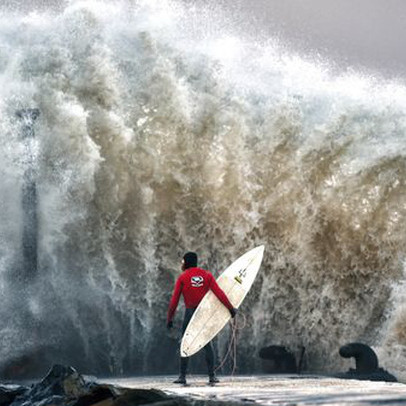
(163, 130)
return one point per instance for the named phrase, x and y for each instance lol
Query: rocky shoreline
(65, 386)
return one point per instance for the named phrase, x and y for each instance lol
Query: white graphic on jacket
(197, 281)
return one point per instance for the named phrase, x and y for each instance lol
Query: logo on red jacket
(197, 281)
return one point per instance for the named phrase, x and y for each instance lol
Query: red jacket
(194, 283)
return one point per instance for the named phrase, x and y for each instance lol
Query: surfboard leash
(232, 346)
(229, 348)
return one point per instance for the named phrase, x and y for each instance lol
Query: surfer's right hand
(233, 312)
(169, 325)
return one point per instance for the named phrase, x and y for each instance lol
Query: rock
(102, 394)
(277, 360)
(144, 397)
(366, 364)
(9, 392)
(65, 386)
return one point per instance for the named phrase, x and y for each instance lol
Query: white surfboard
(211, 315)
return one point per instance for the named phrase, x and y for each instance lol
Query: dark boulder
(59, 384)
(62, 385)
(9, 392)
(65, 386)
(366, 364)
(134, 397)
(277, 360)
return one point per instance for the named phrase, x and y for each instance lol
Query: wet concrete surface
(289, 390)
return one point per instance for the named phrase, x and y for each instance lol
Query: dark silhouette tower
(29, 198)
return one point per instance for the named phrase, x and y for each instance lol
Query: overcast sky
(367, 34)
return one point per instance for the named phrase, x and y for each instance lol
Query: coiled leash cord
(232, 345)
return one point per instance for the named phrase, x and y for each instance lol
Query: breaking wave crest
(163, 130)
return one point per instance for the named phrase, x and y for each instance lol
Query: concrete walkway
(286, 390)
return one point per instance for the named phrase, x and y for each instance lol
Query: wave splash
(163, 130)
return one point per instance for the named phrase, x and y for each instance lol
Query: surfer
(193, 284)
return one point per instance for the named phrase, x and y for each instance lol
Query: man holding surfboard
(193, 284)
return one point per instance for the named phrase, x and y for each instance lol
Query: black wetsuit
(208, 348)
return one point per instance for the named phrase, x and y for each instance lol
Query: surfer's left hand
(233, 312)
(169, 325)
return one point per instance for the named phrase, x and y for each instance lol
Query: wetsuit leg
(186, 319)
(208, 348)
(184, 361)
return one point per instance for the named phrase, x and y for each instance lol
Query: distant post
(29, 198)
